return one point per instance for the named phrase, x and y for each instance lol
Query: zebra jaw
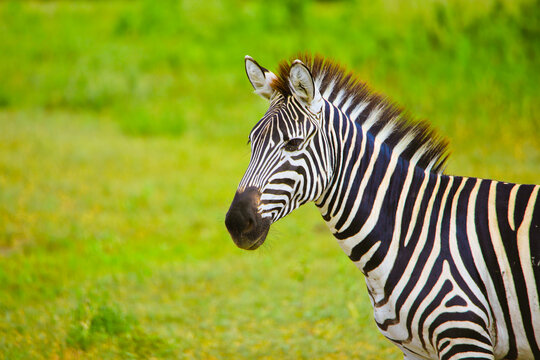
(245, 224)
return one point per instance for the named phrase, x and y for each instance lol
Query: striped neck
(368, 191)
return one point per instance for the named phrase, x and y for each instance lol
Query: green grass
(122, 140)
(110, 229)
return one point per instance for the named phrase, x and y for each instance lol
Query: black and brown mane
(429, 147)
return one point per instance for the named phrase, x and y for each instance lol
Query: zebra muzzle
(247, 227)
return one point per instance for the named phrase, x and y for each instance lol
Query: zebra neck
(364, 205)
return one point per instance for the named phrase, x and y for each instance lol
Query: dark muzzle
(246, 226)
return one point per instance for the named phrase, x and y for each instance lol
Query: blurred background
(123, 129)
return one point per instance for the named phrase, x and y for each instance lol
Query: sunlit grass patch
(95, 324)
(92, 324)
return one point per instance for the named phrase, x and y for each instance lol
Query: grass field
(122, 140)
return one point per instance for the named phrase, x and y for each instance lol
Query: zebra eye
(293, 144)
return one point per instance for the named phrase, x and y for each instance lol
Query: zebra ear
(260, 78)
(303, 86)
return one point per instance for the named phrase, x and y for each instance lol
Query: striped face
(290, 163)
(286, 151)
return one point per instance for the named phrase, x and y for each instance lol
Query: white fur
(259, 79)
(303, 87)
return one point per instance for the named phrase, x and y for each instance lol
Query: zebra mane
(421, 144)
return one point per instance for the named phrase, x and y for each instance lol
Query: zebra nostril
(250, 224)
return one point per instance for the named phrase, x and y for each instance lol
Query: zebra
(451, 263)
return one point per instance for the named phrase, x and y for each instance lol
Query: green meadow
(123, 129)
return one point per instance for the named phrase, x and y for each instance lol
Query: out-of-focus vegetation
(122, 139)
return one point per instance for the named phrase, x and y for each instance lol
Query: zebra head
(290, 163)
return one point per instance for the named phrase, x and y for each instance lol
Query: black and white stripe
(452, 264)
